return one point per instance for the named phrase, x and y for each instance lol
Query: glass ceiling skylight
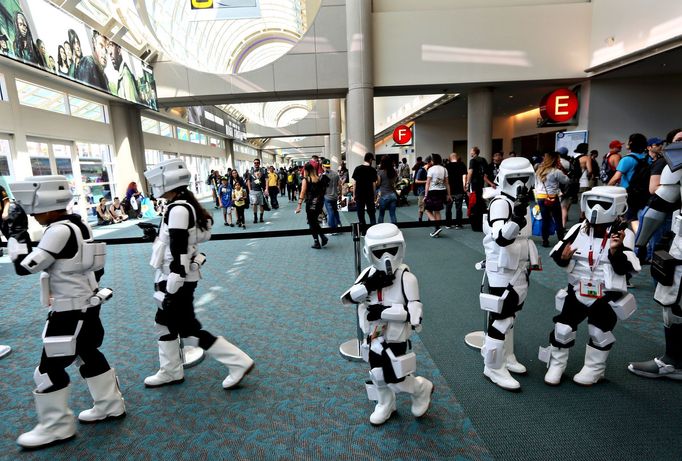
(221, 46)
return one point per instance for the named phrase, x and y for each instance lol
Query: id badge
(591, 289)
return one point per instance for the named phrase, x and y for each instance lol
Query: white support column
(360, 108)
(480, 121)
(335, 132)
(325, 153)
(128, 145)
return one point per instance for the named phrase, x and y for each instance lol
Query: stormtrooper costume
(666, 267)
(177, 261)
(510, 255)
(69, 262)
(389, 310)
(597, 285)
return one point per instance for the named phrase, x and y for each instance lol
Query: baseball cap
(326, 163)
(581, 148)
(563, 151)
(615, 144)
(654, 140)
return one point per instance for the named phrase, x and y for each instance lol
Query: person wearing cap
(625, 172)
(609, 163)
(71, 264)
(658, 163)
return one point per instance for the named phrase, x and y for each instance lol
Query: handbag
(266, 204)
(549, 201)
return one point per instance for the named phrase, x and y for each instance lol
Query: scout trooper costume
(509, 257)
(597, 285)
(389, 310)
(68, 261)
(177, 261)
(666, 268)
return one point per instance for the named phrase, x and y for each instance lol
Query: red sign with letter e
(559, 106)
(402, 134)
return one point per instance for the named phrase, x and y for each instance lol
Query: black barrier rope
(267, 234)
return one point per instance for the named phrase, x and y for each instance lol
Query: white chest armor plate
(392, 331)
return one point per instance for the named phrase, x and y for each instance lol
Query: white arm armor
(358, 292)
(178, 218)
(669, 188)
(502, 225)
(414, 305)
(628, 250)
(53, 241)
(16, 249)
(38, 260)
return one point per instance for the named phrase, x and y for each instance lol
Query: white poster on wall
(570, 140)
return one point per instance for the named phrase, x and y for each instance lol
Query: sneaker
(324, 239)
(316, 246)
(545, 243)
(437, 232)
(231, 225)
(458, 226)
(226, 224)
(255, 220)
(261, 219)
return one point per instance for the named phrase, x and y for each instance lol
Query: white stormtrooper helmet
(40, 194)
(384, 247)
(167, 175)
(515, 172)
(603, 204)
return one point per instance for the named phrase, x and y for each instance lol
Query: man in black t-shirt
(475, 181)
(365, 177)
(457, 172)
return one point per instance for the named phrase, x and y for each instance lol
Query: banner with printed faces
(38, 33)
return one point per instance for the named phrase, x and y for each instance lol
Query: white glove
(174, 282)
(16, 249)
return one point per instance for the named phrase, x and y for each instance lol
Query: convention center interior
(341, 229)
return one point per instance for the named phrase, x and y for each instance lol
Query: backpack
(574, 170)
(606, 172)
(638, 187)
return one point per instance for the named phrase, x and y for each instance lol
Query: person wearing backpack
(609, 163)
(633, 174)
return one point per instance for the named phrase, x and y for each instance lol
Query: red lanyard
(380, 296)
(590, 255)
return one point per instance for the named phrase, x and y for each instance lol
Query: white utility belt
(81, 303)
(402, 365)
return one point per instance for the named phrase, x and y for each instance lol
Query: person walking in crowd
(493, 169)
(420, 185)
(365, 178)
(585, 163)
(313, 188)
(633, 174)
(417, 165)
(475, 181)
(343, 174)
(548, 181)
(331, 196)
(457, 173)
(282, 175)
(72, 264)
(239, 198)
(594, 179)
(116, 211)
(132, 203)
(437, 191)
(404, 170)
(225, 193)
(90, 69)
(388, 199)
(571, 164)
(609, 163)
(273, 190)
(256, 182)
(292, 180)
(597, 254)
(176, 258)
(103, 215)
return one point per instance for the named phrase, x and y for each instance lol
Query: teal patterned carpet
(278, 300)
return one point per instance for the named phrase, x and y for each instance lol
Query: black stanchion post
(350, 350)
(476, 339)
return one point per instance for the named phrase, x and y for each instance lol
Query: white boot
(170, 365)
(421, 399)
(557, 364)
(55, 420)
(191, 356)
(237, 361)
(510, 361)
(494, 369)
(595, 365)
(385, 406)
(107, 398)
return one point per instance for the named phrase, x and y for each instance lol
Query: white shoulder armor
(500, 208)
(178, 217)
(55, 238)
(669, 177)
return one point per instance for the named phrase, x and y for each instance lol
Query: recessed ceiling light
(511, 96)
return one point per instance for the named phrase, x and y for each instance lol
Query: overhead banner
(214, 10)
(217, 120)
(38, 33)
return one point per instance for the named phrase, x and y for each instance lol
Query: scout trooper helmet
(384, 247)
(40, 194)
(603, 204)
(168, 175)
(515, 172)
